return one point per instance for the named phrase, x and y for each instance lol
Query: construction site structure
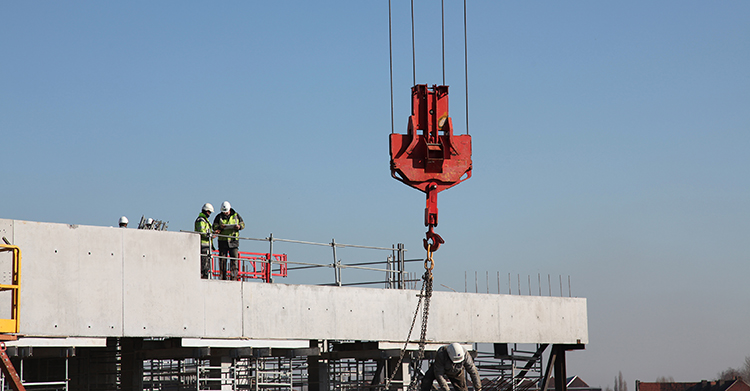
(104, 308)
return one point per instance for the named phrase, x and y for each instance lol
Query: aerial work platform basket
(13, 276)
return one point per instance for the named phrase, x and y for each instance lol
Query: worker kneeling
(451, 361)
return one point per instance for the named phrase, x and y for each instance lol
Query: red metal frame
(7, 366)
(434, 160)
(253, 266)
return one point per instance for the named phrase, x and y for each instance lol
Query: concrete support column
(317, 369)
(561, 377)
(132, 363)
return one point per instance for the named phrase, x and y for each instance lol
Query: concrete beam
(84, 281)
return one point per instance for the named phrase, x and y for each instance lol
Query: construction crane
(434, 160)
(429, 158)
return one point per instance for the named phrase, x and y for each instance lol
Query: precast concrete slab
(6, 230)
(83, 281)
(72, 278)
(507, 318)
(322, 312)
(223, 308)
(161, 294)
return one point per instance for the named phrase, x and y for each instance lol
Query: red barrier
(253, 266)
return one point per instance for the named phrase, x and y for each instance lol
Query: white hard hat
(456, 352)
(225, 206)
(208, 208)
(149, 221)
(123, 220)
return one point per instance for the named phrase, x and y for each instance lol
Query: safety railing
(14, 288)
(263, 266)
(519, 284)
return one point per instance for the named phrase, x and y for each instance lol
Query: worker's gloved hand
(237, 227)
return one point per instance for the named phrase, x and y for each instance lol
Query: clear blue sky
(610, 144)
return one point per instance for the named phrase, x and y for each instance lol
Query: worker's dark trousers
(205, 261)
(226, 251)
(459, 381)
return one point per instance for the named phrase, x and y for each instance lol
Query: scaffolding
(350, 374)
(511, 368)
(170, 374)
(214, 377)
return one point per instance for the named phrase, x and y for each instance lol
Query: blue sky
(610, 144)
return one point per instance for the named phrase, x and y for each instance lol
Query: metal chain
(425, 313)
(403, 350)
(424, 293)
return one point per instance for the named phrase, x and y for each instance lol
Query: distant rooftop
(721, 385)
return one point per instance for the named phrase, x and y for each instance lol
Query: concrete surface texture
(84, 281)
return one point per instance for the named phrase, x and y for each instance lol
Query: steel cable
(390, 59)
(466, 70)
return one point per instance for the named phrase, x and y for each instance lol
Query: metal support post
(557, 362)
(336, 264)
(389, 274)
(269, 265)
(548, 372)
(401, 266)
(405, 373)
(67, 370)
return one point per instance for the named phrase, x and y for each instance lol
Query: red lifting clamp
(434, 160)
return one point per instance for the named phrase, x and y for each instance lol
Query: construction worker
(123, 222)
(452, 361)
(228, 224)
(207, 243)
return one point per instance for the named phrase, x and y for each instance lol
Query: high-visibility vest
(233, 219)
(204, 227)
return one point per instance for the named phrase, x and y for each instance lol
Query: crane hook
(436, 240)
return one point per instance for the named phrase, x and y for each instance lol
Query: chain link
(423, 337)
(403, 350)
(424, 293)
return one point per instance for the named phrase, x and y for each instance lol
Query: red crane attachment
(434, 160)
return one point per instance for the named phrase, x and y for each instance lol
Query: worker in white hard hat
(123, 222)
(452, 362)
(207, 243)
(227, 225)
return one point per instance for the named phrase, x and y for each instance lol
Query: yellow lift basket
(11, 325)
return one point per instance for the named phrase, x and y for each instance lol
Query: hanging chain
(403, 350)
(425, 313)
(424, 293)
